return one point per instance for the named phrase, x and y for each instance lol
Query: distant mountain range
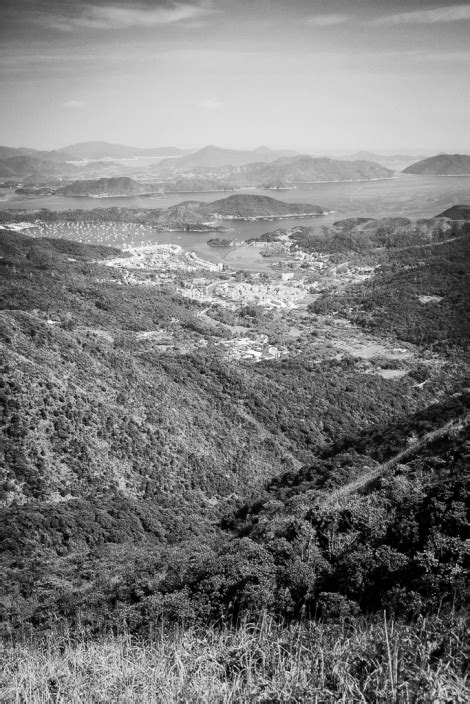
(22, 163)
(216, 157)
(37, 169)
(103, 188)
(25, 165)
(7, 152)
(441, 165)
(105, 150)
(210, 168)
(283, 172)
(397, 162)
(371, 156)
(57, 155)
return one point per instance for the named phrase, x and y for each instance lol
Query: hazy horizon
(323, 77)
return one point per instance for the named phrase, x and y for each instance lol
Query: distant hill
(102, 150)
(237, 207)
(397, 162)
(7, 152)
(304, 168)
(103, 188)
(441, 165)
(359, 236)
(53, 155)
(24, 166)
(368, 234)
(212, 156)
(263, 173)
(251, 206)
(457, 212)
(371, 156)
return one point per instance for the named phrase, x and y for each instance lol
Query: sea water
(406, 195)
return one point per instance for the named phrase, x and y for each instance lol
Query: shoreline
(353, 180)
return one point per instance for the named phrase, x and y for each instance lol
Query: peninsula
(103, 188)
(441, 165)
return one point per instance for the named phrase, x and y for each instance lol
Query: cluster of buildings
(251, 349)
(169, 257)
(285, 293)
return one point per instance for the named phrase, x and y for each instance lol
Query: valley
(206, 402)
(184, 438)
(234, 352)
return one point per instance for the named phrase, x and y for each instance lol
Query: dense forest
(146, 484)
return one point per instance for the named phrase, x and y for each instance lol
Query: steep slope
(111, 405)
(441, 165)
(389, 543)
(145, 476)
(95, 416)
(457, 212)
(420, 294)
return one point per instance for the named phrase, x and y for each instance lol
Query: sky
(323, 76)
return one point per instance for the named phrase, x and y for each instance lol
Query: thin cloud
(74, 104)
(453, 13)
(114, 17)
(327, 20)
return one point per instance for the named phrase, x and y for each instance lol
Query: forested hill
(441, 165)
(457, 212)
(236, 207)
(103, 187)
(180, 216)
(80, 383)
(136, 455)
(420, 295)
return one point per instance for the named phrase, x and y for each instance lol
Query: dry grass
(266, 662)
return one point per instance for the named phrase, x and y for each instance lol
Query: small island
(219, 242)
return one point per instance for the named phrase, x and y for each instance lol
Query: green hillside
(145, 474)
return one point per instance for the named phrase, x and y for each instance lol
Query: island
(441, 165)
(219, 242)
(281, 173)
(236, 207)
(188, 216)
(103, 188)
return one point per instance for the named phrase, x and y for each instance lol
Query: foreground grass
(266, 662)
